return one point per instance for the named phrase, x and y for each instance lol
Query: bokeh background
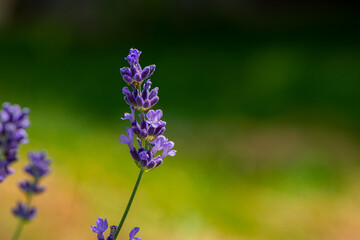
(261, 99)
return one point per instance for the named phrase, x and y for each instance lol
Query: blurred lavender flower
(135, 75)
(100, 228)
(30, 188)
(38, 167)
(13, 122)
(133, 232)
(24, 212)
(38, 164)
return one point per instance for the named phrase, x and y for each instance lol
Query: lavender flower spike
(133, 232)
(100, 228)
(38, 167)
(148, 131)
(13, 122)
(135, 75)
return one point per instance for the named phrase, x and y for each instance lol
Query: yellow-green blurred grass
(228, 181)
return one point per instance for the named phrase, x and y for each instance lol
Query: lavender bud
(146, 104)
(147, 85)
(137, 77)
(139, 101)
(151, 131)
(153, 93)
(126, 91)
(145, 73)
(145, 94)
(154, 101)
(143, 124)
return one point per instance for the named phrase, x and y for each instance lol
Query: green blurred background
(261, 99)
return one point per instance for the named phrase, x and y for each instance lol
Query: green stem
(21, 221)
(129, 203)
(18, 230)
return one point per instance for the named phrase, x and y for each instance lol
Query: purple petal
(133, 232)
(153, 92)
(94, 229)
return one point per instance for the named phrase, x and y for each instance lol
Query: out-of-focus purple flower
(31, 188)
(13, 122)
(38, 167)
(38, 164)
(24, 212)
(100, 228)
(141, 101)
(133, 232)
(135, 75)
(4, 170)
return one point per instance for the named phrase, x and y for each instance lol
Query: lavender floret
(13, 122)
(141, 101)
(146, 158)
(150, 127)
(133, 232)
(24, 212)
(31, 187)
(100, 228)
(38, 164)
(135, 75)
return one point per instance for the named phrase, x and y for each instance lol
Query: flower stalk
(129, 203)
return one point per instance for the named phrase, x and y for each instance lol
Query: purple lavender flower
(150, 126)
(100, 228)
(37, 168)
(13, 122)
(135, 75)
(147, 159)
(31, 187)
(133, 232)
(38, 164)
(24, 212)
(141, 101)
(149, 131)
